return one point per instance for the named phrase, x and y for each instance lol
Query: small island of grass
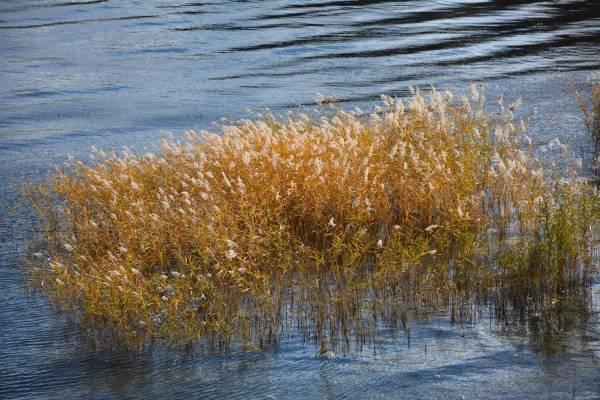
(330, 224)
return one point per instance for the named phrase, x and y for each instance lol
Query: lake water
(113, 73)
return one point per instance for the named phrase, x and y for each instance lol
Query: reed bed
(330, 224)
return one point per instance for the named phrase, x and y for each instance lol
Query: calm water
(110, 73)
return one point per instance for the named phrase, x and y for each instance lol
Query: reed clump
(328, 223)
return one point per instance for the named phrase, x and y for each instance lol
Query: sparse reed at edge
(590, 110)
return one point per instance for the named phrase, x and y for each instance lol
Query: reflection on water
(106, 73)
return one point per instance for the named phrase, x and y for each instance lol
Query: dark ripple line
(198, 12)
(335, 37)
(265, 74)
(470, 10)
(525, 50)
(302, 14)
(64, 4)
(134, 17)
(317, 39)
(233, 27)
(338, 3)
(187, 5)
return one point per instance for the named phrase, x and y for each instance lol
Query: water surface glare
(79, 73)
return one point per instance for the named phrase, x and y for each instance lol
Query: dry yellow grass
(200, 240)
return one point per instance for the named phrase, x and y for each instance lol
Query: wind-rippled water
(113, 73)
